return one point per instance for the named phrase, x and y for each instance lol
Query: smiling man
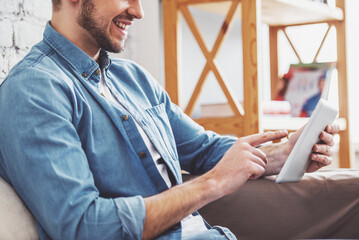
(95, 148)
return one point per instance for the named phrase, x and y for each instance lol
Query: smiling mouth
(122, 25)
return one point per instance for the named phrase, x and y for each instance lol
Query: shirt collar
(81, 62)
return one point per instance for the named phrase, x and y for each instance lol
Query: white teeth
(122, 25)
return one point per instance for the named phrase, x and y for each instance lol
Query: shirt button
(84, 74)
(143, 154)
(97, 72)
(125, 117)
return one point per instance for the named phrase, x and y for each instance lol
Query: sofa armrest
(325, 204)
(16, 222)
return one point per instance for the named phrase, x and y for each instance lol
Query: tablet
(298, 160)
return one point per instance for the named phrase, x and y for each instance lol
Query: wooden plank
(171, 26)
(197, 91)
(195, 30)
(281, 12)
(273, 53)
(346, 154)
(186, 2)
(293, 123)
(322, 43)
(228, 21)
(225, 125)
(288, 12)
(227, 90)
(250, 34)
(236, 107)
(291, 44)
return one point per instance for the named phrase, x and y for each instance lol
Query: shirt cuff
(131, 212)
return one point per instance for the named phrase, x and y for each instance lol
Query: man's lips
(123, 24)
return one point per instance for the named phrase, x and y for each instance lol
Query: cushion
(16, 222)
(325, 204)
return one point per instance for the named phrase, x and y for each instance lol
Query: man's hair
(56, 4)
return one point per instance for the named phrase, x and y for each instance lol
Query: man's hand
(322, 152)
(243, 161)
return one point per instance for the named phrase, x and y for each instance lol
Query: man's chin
(115, 48)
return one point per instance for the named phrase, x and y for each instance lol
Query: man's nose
(135, 9)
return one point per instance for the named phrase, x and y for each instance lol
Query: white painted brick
(3, 71)
(14, 57)
(10, 6)
(1, 61)
(26, 34)
(39, 8)
(6, 36)
(4, 55)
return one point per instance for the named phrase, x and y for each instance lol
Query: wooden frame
(247, 118)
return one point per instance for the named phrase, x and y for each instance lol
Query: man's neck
(69, 28)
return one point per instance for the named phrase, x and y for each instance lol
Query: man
(312, 102)
(94, 146)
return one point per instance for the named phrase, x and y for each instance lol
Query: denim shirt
(76, 159)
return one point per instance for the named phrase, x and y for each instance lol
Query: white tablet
(298, 160)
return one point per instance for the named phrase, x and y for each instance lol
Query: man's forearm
(241, 162)
(170, 207)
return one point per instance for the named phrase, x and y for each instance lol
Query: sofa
(324, 204)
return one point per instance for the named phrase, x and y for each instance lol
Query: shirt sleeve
(42, 157)
(198, 150)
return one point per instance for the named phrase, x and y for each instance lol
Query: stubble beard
(93, 25)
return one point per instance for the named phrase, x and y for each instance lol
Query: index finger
(260, 138)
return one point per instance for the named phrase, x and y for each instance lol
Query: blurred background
(22, 23)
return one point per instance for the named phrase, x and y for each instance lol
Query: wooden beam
(211, 65)
(273, 52)
(291, 44)
(171, 28)
(197, 91)
(346, 154)
(223, 125)
(322, 43)
(228, 92)
(192, 2)
(250, 33)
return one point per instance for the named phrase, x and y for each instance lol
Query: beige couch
(323, 205)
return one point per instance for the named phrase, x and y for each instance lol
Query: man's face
(107, 21)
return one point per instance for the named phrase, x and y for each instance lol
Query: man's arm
(42, 155)
(241, 162)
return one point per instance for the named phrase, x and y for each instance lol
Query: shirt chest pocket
(164, 140)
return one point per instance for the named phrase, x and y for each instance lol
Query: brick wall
(21, 26)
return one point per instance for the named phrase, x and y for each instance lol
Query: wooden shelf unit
(278, 14)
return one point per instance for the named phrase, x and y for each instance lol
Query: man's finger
(323, 149)
(260, 154)
(327, 138)
(332, 128)
(260, 138)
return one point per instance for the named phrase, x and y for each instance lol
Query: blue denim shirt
(77, 160)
